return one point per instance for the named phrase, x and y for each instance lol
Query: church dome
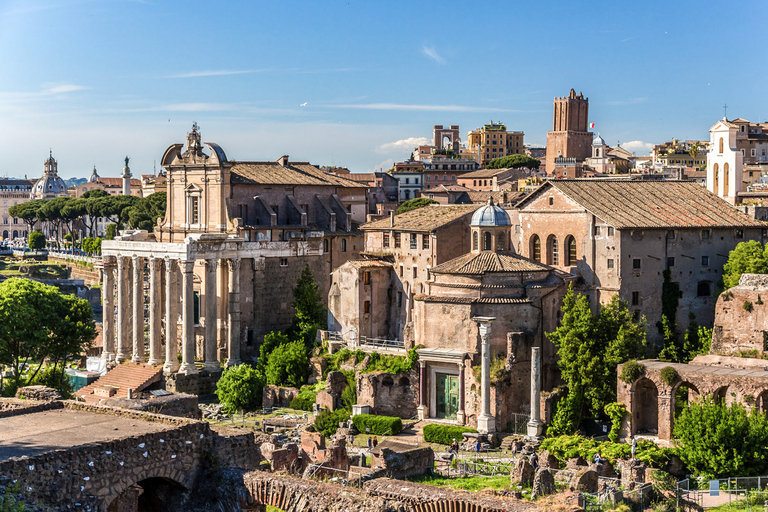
(50, 185)
(94, 175)
(490, 215)
(598, 140)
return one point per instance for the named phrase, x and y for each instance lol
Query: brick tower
(569, 137)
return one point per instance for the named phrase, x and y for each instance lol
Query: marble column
(461, 415)
(188, 318)
(422, 410)
(485, 422)
(155, 311)
(535, 425)
(233, 339)
(138, 310)
(123, 308)
(108, 315)
(171, 318)
(211, 360)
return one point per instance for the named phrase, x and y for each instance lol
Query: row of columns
(124, 338)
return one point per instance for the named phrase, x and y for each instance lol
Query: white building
(725, 161)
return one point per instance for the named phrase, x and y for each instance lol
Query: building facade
(570, 136)
(493, 140)
(13, 192)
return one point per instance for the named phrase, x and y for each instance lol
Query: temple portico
(195, 283)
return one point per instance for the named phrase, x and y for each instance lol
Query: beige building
(680, 153)
(112, 186)
(222, 263)
(13, 192)
(494, 141)
(621, 235)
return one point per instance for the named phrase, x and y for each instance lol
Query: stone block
(105, 391)
(585, 480)
(42, 393)
(523, 473)
(575, 463)
(543, 484)
(547, 460)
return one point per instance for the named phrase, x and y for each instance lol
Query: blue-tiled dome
(490, 215)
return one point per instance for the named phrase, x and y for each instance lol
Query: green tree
(288, 365)
(145, 212)
(590, 347)
(240, 388)
(111, 231)
(29, 212)
(414, 204)
(747, 258)
(36, 240)
(311, 312)
(271, 341)
(514, 161)
(37, 322)
(715, 441)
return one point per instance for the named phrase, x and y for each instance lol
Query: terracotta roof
(482, 197)
(112, 182)
(362, 177)
(470, 300)
(295, 173)
(369, 263)
(446, 188)
(483, 173)
(427, 218)
(650, 204)
(486, 261)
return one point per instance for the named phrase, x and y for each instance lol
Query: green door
(447, 395)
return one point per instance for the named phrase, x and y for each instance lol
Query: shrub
(303, 402)
(444, 434)
(240, 388)
(288, 365)
(668, 375)
(377, 425)
(616, 411)
(54, 377)
(36, 240)
(631, 371)
(327, 422)
(747, 306)
(349, 394)
(111, 231)
(568, 447)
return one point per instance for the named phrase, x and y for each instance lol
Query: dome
(49, 186)
(94, 175)
(490, 215)
(598, 140)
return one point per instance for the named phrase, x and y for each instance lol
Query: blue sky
(98, 80)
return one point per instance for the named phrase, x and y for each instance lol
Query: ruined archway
(762, 402)
(719, 396)
(645, 407)
(684, 394)
(154, 494)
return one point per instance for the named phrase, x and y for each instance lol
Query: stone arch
(487, 241)
(762, 402)
(570, 251)
(645, 407)
(534, 251)
(404, 381)
(720, 394)
(178, 479)
(683, 393)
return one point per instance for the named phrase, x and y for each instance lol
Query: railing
(62, 255)
(318, 471)
(519, 423)
(364, 342)
(706, 493)
(381, 343)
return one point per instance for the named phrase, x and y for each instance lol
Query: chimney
(392, 218)
(283, 160)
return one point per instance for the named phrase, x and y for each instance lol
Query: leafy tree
(54, 376)
(271, 341)
(590, 347)
(29, 212)
(327, 422)
(714, 440)
(95, 194)
(145, 212)
(311, 312)
(38, 322)
(514, 161)
(111, 231)
(414, 204)
(240, 388)
(288, 365)
(36, 240)
(747, 258)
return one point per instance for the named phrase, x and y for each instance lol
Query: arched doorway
(719, 396)
(149, 495)
(15, 234)
(5, 235)
(685, 393)
(645, 407)
(762, 402)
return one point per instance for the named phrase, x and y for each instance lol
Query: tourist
(598, 457)
(454, 448)
(534, 461)
(375, 441)
(370, 443)
(634, 446)
(478, 445)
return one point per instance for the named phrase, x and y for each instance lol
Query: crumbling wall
(390, 394)
(741, 317)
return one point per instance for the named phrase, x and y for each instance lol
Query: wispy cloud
(630, 101)
(217, 72)
(638, 146)
(422, 108)
(62, 88)
(430, 52)
(402, 144)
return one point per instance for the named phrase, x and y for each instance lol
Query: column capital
(109, 261)
(234, 264)
(187, 266)
(155, 263)
(123, 262)
(170, 263)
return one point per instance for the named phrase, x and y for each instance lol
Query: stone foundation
(202, 383)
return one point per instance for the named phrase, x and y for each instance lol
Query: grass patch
(469, 483)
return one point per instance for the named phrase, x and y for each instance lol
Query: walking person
(633, 450)
(370, 443)
(375, 441)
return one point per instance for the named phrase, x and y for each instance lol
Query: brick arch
(645, 406)
(168, 473)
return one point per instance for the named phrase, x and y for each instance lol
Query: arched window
(570, 251)
(487, 241)
(474, 241)
(725, 179)
(553, 251)
(716, 172)
(325, 245)
(343, 245)
(721, 145)
(500, 245)
(535, 251)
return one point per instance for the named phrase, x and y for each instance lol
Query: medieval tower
(569, 137)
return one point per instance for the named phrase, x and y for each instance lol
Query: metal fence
(319, 471)
(750, 492)
(381, 343)
(518, 424)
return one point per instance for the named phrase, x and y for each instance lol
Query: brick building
(620, 235)
(570, 137)
(493, 180)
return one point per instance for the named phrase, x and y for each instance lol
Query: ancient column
(108, 296)
(138, 310)
(423, 408)
(171, 318)
(211, 360)
(188, 318)
(535, 425)
(155, 312)
(461, 414)
(123, 308)
(485, 422)
(233, 339)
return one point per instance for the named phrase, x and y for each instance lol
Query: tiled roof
(471, 300)
(498, 197)
(427, 218)
(446, 188)
(295, 173)
(650, 204)
(483, 173)
(369, 263)
(362, 177)
(112, 182)
(486, 261)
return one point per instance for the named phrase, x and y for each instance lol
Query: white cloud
(219, 72)
(403, 145)
(424, 108)
(63, 88)
(430, 52)
(638, 146)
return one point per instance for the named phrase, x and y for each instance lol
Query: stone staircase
(116, 382)
(507, 441)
